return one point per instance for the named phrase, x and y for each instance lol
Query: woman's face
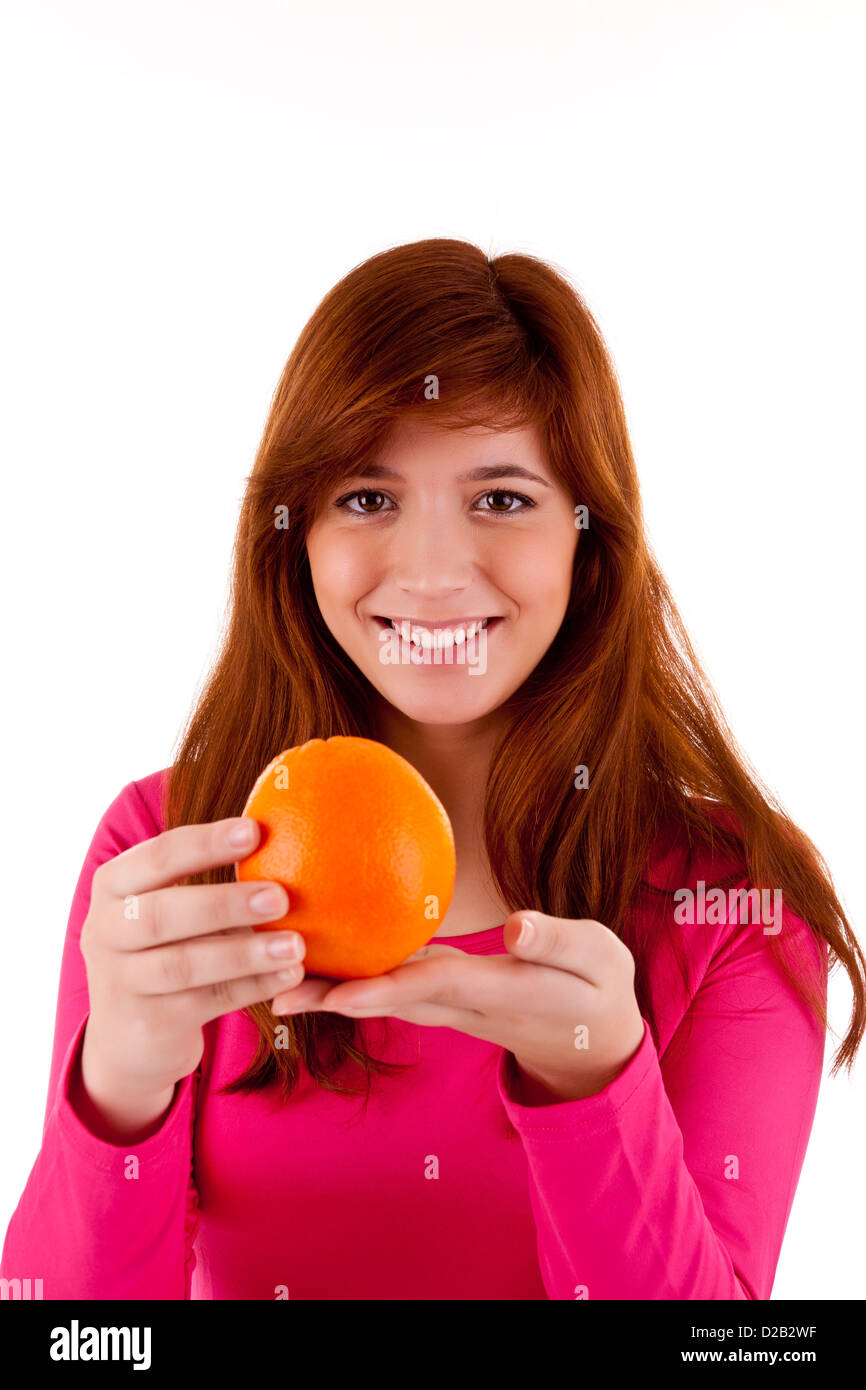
(450, 527)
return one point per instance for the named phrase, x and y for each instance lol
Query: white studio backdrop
(186, 180)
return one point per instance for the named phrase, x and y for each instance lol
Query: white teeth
(437, 638)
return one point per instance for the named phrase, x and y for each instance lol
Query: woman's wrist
(111, 1113)
(531, 1088)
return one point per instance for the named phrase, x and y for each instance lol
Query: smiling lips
(429, 635)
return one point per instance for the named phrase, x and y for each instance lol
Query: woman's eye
(526, 502)
(365, 511)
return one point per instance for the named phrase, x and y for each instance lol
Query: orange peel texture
(363, 847)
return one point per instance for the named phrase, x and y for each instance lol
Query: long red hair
(619, 690)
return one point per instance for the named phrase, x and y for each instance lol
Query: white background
(185, 181)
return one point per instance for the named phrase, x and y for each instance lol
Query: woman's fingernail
(287, 1004)
(288, 944)
(268, 901)
(242, 833)
(293, 975)
(527, 932)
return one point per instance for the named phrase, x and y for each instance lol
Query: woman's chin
(440, 707)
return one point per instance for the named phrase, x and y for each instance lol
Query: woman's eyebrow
(485, 474)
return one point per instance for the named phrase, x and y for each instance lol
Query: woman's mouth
(438, 635)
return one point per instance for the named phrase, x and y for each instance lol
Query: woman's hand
(163, 959)
(562, 1002)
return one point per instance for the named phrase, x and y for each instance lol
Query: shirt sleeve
(99, 1220)
(676, 1180)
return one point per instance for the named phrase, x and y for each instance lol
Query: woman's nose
(431, 556)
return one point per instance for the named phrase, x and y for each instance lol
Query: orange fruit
(363, 847)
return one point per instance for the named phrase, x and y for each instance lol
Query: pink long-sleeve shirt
(674, 1182)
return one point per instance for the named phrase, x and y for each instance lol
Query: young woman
(599, 1079)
